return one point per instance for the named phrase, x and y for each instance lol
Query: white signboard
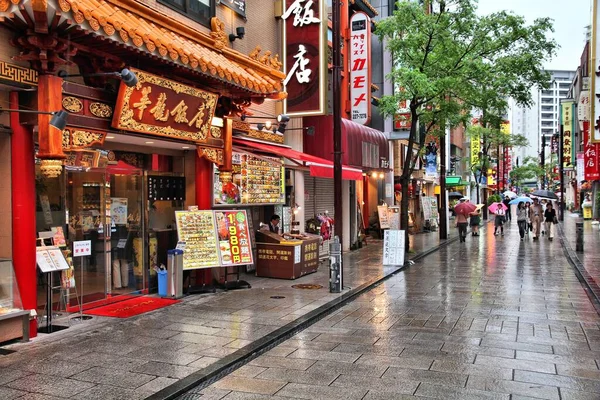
(583, 108)
(297, 254)
(50, 260)
(394, 247)
(82, 248)
(360, 79)
(394, 217)
(382, 211)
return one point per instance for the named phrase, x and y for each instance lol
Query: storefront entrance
(105, 207)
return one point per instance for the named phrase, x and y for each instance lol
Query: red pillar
(23, 210)
(204, 192)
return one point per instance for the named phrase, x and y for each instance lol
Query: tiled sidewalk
(134, 358)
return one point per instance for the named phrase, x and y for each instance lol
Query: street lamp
(128, 77)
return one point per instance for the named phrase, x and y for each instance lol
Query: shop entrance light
(126, 76)
(58, 120)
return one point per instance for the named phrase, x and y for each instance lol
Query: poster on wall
(118, 210)
(382, 212)
(197, 230)
(235, 245)
(255, 181)
(393, 247)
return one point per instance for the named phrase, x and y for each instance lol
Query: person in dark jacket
(549, 218)
(506, 202)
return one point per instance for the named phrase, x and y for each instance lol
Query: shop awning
(318, 167)
(454, 181)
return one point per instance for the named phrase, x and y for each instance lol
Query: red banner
(304, 57)
(590, 154)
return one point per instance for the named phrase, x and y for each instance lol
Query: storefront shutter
(318, 199)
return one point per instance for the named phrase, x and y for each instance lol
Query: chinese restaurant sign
(162, 107)
(566, 113)
(360, 66)
(234, 237)
(305, 55)
(590, 155)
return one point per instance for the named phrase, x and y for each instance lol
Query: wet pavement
(492, 318)
(135, 358)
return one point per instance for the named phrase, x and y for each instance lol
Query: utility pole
(543, 160)
(337, 128)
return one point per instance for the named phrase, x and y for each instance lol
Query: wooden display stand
(286, 259)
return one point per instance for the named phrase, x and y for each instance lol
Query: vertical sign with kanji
(590, 155)
(360, 68)
(566, 114)
(305, 57)
(595, 76)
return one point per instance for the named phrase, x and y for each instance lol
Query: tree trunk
(404, 182)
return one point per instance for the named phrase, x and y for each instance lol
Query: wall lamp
(280, 117)
(58, 120)
(127, 76)
(240, 32)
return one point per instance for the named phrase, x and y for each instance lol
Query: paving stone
(157, 384)
(8, 393)
(113, 377)
(569, 394)
(296, 376)
(250, 385)
(536, 348)
(348, 368)
(107, 392)
(516, 364)
(571, 370)
(272, 362)
(205, 330)
(380, 385)
(429, 390)
(315, 392)
(165, 370)
(9, 375)
(356, 339)
(203, 362)
(436, 377)
(181, 357)
(60, 368)
(50, 385)
(558, 359)
(512, 387)
(205, 340)
(249, 371)
(405, 362)
(367, 348)
(323, 355)
(305, 344)
(36, 396)
(568, 382)
(471, 369)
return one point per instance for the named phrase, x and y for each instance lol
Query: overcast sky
(570, 18)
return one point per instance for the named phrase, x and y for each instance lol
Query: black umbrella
(545, 194)
(456, 195)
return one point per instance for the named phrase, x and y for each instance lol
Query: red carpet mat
(131, 307)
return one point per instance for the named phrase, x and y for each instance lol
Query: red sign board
(162, 107)
(305, 57)
(590, 154)
(234, 237)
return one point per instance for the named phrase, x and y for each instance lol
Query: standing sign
(82, 248)
(360, 66)
(50, 259)
(590, 152)
(566, 113)
(382, 212)
(580, 170)
(393, 247)
(234, 237)
(305, 57)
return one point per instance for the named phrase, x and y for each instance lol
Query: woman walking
(522, 214)
(474, 221)
(549, 220)
(499, 220)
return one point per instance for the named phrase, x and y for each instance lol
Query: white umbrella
(509, 194)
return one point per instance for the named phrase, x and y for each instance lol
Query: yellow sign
(566, 114)
(505, 127)
(475, 148)
(491, 179)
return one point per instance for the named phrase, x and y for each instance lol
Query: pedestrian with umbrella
(499, 210)
(462, 210)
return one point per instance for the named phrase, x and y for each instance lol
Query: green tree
(529, 170)
(445, 57)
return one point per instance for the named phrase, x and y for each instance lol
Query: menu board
(234, 237)
(166, 187)
(197, 230)
(382, 212)
(51, 259)
(394, 247)
(255, 180)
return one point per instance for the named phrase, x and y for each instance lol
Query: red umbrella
(464, 208)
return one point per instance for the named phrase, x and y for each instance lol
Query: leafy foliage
(529, 170)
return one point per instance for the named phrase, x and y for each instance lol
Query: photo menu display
(197, 230)
(234, 237)
(255, 180)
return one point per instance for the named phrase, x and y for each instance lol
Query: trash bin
(162, 283)
(175, 273)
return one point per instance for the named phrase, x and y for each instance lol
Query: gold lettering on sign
(144, 101)
(198, 117)
(179, 112)
(159, 109)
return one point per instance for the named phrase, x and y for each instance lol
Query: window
(198, 10)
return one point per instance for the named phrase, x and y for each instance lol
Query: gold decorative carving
(215, 132)
(218, 33)
(101, 110)
(275, 63)
(266, 136)
(72, 104)
(211, 154)
(240, 126)
(254, 53)
(51, 168)
(265, 58)
(81, 139)
(14, 73)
